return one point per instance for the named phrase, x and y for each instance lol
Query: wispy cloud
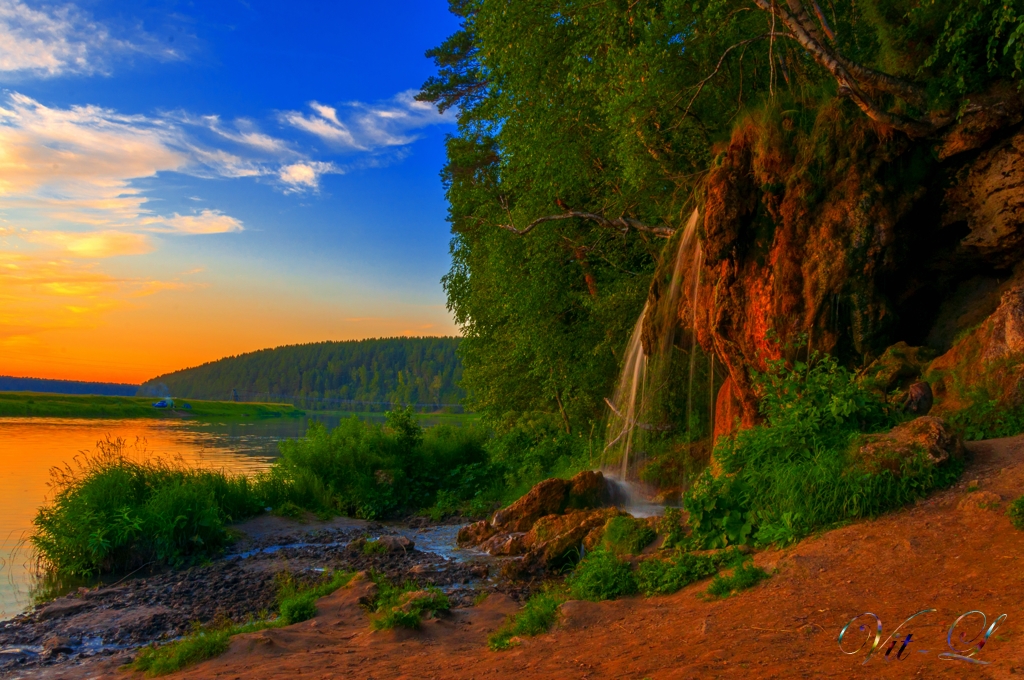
(50, 41)
(368, 127)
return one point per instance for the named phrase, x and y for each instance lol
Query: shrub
(664, 577)
(744, 576)
(537, 616)
(627, 535)
(792, 474)
(601, 575)
(114, 510)
(1016, 513)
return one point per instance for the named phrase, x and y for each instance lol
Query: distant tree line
(360, 375)
(11, 384)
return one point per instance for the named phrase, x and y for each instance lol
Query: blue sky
(180, 181)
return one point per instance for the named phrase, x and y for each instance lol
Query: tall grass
(794, 473)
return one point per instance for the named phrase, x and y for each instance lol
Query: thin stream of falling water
(698, 256)
(642, 376)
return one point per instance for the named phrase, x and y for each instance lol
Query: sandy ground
(954, 552)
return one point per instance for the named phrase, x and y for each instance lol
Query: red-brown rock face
(843, 238)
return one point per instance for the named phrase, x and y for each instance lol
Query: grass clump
(793, 473)
(744, 576)
(296, 603)
(374, 548)
(627, 535)
(537, 616)
(601, 575)
(664, 577)
(404, 606)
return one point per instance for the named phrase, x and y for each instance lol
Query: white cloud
(368, 127)
(306, 174)
(324, 124)
(62, 39)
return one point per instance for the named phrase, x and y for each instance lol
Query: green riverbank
(37, 405)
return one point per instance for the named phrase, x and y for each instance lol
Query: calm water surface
(30, 447)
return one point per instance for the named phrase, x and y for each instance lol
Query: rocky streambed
(114, 620)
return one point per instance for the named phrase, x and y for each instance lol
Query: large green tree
(585, 129)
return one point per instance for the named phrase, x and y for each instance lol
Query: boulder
(556, 540)
(928, 435)
(588, 489)
(896, 369)
(476, 533)
(989, 360)
(547, 498)
(396, 543)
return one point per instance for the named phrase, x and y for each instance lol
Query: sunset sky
(181, 181)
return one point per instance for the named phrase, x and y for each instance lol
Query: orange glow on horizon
(67, 320)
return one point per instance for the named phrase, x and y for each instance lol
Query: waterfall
(661, 358)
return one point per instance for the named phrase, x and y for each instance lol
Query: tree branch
(622, 224)
(803, 32)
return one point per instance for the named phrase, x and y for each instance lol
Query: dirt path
(953, 552)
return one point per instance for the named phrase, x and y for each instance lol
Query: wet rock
(926, 435)
(65, 606)
(588, 489)
(396, 543)
(57, 644)
(476, 533)
(505, 544)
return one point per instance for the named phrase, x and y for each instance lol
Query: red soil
(954, 552)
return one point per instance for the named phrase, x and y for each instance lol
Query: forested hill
(365, 375)
(12, 384)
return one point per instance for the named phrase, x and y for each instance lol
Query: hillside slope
(358, 374)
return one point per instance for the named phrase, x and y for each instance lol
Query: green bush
(1016, 513)
(627, 535)
(986, 418)
(374, 548)
(373, 471)
(116, 511)
(744, 576)
(601, 575)
(793, 473)
(666, 576)
(537, 616)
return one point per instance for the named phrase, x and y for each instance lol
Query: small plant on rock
(1016, 513)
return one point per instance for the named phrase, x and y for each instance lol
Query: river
(31, 447)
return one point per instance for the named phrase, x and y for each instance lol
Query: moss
(627, 535)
